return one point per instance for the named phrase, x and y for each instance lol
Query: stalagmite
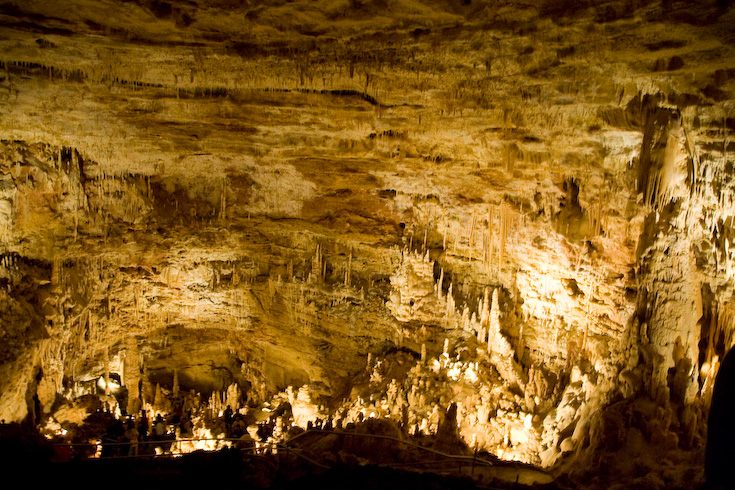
(131, 373)
(175, 384)
(485, 310)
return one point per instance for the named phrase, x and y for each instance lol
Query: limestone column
(131, 374)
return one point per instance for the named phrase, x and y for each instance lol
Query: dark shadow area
(720, 449)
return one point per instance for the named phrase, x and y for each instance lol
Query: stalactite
(506, 223)
(316, 264)
(223, 200)
(490, 242)
(440, 285)
(596, 219)
(456, 237)
(521, 346)
(348, 272)
(472, 234)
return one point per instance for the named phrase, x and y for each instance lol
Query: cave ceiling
(267, 192)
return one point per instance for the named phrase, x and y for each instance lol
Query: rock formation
(522, 209)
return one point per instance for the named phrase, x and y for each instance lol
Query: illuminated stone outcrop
(523, 212)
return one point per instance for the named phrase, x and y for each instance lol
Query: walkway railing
(286, 448)
(459, 458)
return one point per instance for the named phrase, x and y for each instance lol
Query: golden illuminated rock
(374, 208)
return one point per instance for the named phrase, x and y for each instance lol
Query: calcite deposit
(515, 214)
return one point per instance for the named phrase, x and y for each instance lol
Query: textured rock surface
(536, 198)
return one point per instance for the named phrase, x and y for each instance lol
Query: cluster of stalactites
(8, 265)
(318, 272)
(668, 182)
(490, 235)
(597, 218)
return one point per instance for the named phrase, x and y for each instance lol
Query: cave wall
(268, 194)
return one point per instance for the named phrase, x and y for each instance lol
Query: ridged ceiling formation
(386, 205)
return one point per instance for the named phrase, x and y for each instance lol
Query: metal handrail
(284, 445)
(287, 447)
(460, 458)
(298, 452)
(254, 449)
(407, 443)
